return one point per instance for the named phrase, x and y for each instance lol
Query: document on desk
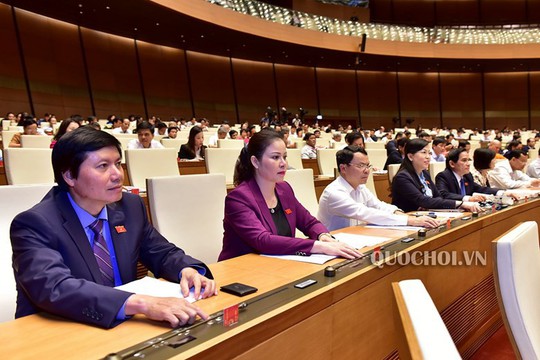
(360, 241)
(312, 259)
(154, 287)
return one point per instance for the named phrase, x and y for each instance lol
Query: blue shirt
(86, 219)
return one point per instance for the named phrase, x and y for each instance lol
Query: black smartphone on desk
(238, 289)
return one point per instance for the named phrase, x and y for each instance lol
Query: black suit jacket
(450, 189)
(394, 158)
(186, 153)
(56, 270)
(408, 195)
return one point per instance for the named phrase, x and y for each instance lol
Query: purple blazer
(249, 227)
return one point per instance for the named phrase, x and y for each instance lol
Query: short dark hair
(439, 140)
(402, 141)
(463, 143)
(351, 137)
(514, 144)
(28, 121)
(514, 154)
(72, 149)
(161, 125)
(145, 125)
(345, 155)
(453, 156)
(482, 158)
(308, 135)
(258, 143)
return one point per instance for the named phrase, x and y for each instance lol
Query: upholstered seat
(28, 166)
(144, 163)
(516, 267)
(422, 333)
(188, 210)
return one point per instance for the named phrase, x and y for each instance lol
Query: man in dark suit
(456, 181)
(86, 236)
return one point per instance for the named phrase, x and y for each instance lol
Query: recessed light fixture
(108, 7)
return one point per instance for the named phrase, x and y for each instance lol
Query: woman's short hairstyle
(72, 149)
(63, 128)
(257, 145)
(482, 158)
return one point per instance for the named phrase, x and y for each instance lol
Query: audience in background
(67, 125)
(483, 161)
(29, 128)
(309, 151)
(508, 174)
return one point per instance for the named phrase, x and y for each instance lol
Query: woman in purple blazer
(262, 213)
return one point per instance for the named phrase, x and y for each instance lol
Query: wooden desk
(351, 317)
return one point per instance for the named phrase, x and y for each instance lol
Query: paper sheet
(154, 287)
(312, 259)
(360, 241)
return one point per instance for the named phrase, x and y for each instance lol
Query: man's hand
(176, 311)
(191, 277)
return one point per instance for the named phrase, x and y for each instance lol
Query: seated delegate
(86, 236)
(194, 148)
(347, 201)
(262, 213)
(412, 187)
(456, 182)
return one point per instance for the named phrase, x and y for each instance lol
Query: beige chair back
(422, 334)
(221, 161)
(377, 157)
(435, 168)
(14, 199)
(392, 171)
(326, 158)
(188, 211)
(36, 141)
(230, 144)
(173, 143)
(294, 159)
(374, 146)
(28, 166)
(303, 186)
(7, 135)
(516, 267)
(144, 163)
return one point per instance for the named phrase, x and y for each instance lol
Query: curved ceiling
(197, 25)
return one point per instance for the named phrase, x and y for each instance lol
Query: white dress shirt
(533, 170)
(503, 177)
(341, 206)
(135, 144)
(309, 152)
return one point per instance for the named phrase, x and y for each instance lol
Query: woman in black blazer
(412, 187)
(194, 149)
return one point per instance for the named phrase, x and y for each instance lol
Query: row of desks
(348, 316)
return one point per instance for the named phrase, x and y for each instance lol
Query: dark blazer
(394, 158)
(249, 227)
(186, 153)
(450, 189)
(408, 195)
(55, 267)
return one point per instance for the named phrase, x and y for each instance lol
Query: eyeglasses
(362, 166)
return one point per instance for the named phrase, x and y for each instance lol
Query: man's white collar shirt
(342, 206)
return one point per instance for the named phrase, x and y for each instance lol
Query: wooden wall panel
(255, 89)
(506, 100)
(114, 75)
(211, 81)
(13, 95)
(461, 100)
(423, 12)
(503, 11)
(378, 98)
(337, 91)
(165, 81)
(297, 88)
(457, 12)
(55, 67)
(419, 96)
(535, 99)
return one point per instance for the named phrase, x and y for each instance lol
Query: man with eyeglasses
(348, 202)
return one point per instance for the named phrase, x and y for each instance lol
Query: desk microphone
(330, 271)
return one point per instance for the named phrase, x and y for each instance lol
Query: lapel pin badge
(120, 229)
(288, 211)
